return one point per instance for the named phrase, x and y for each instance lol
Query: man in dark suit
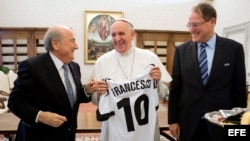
(39, 97)
(224, 88)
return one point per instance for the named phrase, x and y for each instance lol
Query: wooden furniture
(17, 44)
(87, 123)
(163, 43)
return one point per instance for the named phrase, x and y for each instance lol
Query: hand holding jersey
(101, 86)
(129, 108)
(122, 64)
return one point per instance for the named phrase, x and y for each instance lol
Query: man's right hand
(51, 119)
(175, 130)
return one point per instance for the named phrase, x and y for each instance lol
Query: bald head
(54, 32)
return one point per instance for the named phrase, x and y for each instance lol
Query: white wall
(233, 21)
(230, 13)
(145, 14)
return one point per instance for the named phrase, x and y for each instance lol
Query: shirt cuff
(37, 116)
(87, 94)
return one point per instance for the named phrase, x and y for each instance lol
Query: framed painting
(97, 37)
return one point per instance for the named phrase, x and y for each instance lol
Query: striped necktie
(203, 63)
(68, 86)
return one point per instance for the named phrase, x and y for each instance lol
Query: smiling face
(201, 30)
(122, 35)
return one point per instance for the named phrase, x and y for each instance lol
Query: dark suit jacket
(189, 100)
(39, 87)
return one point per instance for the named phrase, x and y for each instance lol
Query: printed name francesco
(132, 86)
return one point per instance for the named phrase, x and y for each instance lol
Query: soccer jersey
(128, 109)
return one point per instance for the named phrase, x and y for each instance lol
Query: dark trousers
(201, 132)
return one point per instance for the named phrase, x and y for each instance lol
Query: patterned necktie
(203, 63)
(68, 86)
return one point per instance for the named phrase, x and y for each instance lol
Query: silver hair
(51, 34)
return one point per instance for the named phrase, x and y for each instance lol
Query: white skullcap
(125, 20)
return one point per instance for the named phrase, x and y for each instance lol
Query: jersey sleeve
(104, 110)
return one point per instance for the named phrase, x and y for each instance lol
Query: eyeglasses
(195, 25)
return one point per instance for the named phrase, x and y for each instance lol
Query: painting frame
(97, 37)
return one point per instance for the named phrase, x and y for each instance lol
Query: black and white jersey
(129, 109)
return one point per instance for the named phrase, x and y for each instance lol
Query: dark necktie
(68, 86)
(203, 63)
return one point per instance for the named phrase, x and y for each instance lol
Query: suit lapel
(194, 57)
(55, 79)
(218, 55)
